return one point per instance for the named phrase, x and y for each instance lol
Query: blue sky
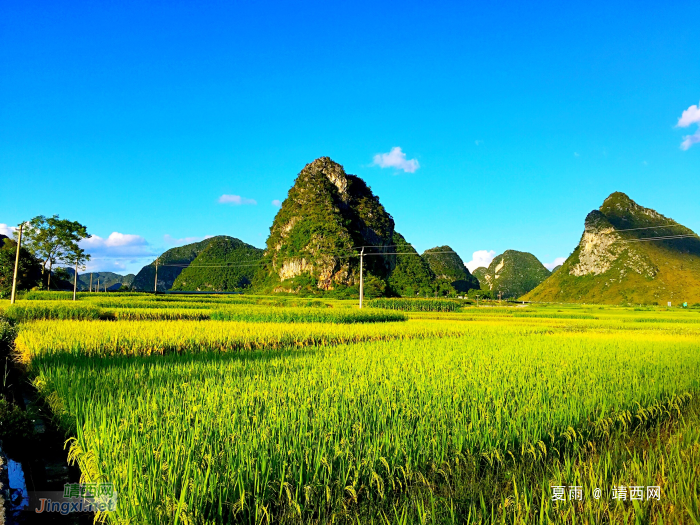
(135, 118)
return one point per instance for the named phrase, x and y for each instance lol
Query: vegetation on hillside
(411, 276)
(170, 264)
(225, 265)
(512, 274)
(313, 239)
(316, 237)
(448, 266)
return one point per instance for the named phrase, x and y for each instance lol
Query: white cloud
(7, 230)
(478, 142)
(118, 252)
(689, 117)
(396, 159)
(236, 200)
(480, 258)
(689, 140)
(116, 239)
(277, 203)
(117, 245)
(556, 262)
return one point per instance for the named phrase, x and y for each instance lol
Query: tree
(52, 240)
(28, 273)
(484, 294)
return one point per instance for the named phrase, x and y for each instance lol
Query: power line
(646, 228)
(231, 265)
(662, 238)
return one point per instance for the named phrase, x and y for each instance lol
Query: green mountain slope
(480, 274)
(226, 264)
(411, 275)
(620, 259)
(314, 239)
(512, 274)
(170, 264)
(448, 266)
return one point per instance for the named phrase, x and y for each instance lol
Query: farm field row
(229, 421)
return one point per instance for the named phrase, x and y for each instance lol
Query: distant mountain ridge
(625, 255)
(113, 281)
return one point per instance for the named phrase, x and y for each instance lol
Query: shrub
(8, 332)
(16, 429)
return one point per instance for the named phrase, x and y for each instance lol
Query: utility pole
(14, 276)
(155, 283)
(75, 278)
(98, 284)
(499, 297)
(91, 281)
(477, 300)
(362, 282)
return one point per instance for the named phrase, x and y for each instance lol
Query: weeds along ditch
(465, 416)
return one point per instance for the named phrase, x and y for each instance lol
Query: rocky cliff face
(512, 274)
(313, 239)
(625, 255)
(602, 245)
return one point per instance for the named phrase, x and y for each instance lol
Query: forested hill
(628, 254)
(512, 274)
(225, 264)
(314, 240)
(449, 267)
(170, 265)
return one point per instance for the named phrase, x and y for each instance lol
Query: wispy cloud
(480, 258)
(556, 262)
(236, 200)
(396, 159)
(478, 142)
(689, 140)
(277, 203)
(689, 117)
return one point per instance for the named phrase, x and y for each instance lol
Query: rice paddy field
(241, 409)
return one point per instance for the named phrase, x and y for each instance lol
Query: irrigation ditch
(33, 459)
